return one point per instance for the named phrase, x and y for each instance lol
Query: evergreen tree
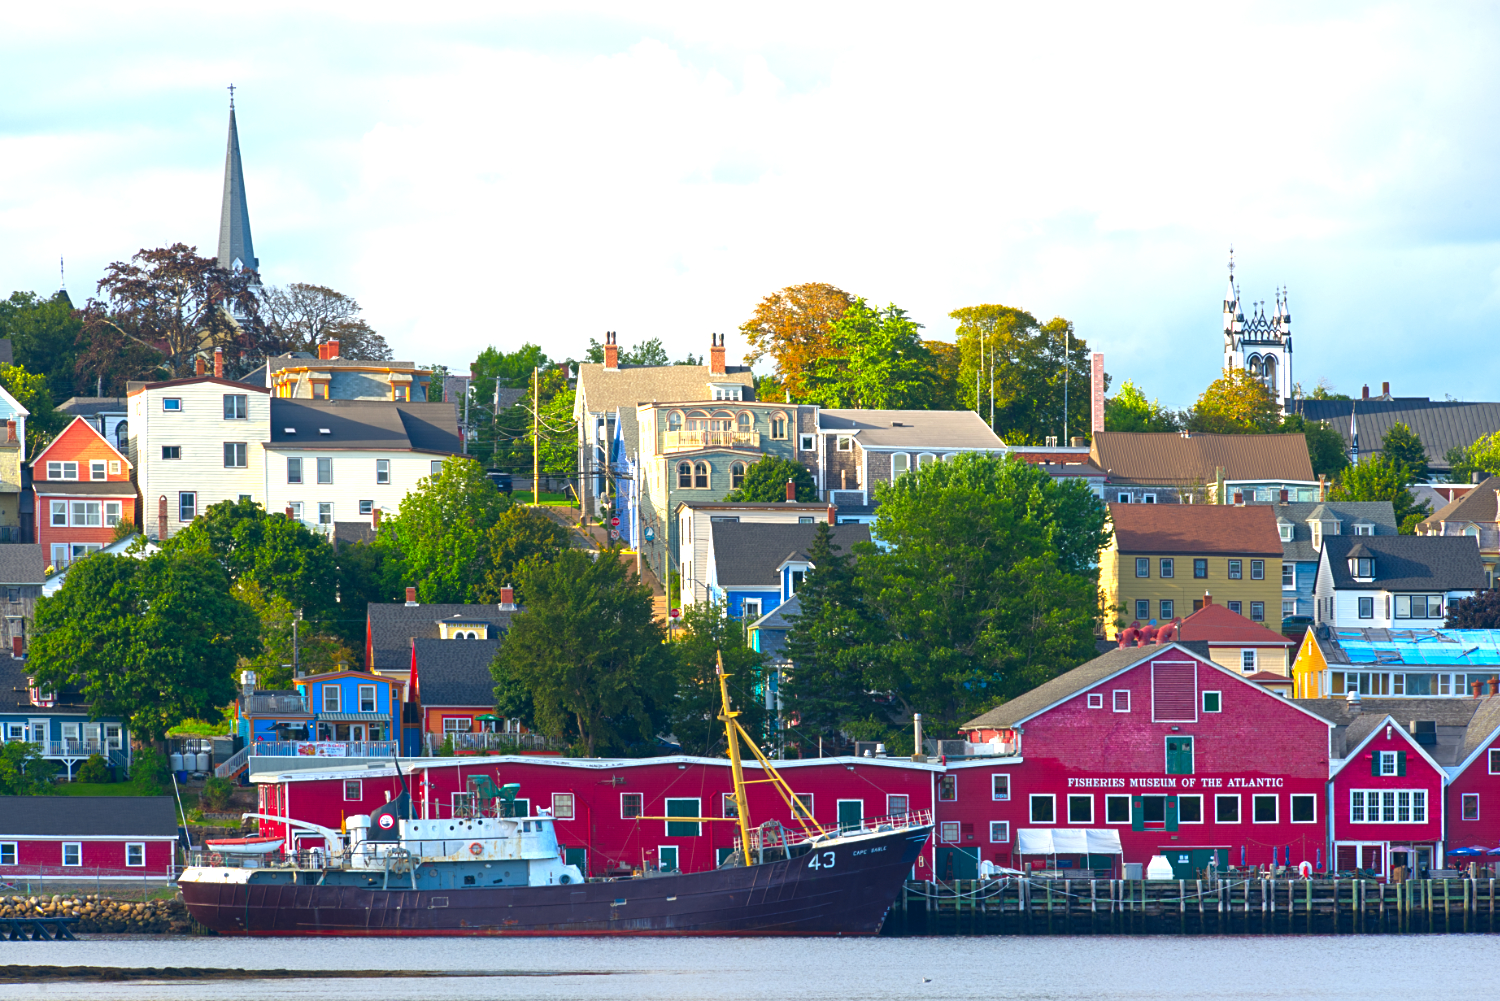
(1383, 480)
(1401, 444)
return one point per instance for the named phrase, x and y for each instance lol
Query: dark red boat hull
(849, 897)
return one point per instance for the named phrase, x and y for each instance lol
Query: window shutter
(1375, 763)
(1171, 813)
(1400, 762)
(1137, 814)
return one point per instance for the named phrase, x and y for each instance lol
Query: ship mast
(731, 730)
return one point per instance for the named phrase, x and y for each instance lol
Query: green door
(851, 814)
(578, 857)
(954, 862)
(1179, 755)
(1188, 863)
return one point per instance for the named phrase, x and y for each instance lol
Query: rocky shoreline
(97, 913)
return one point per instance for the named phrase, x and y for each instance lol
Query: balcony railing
(276, 704)
(322, 748)
(680, 441)
(486, 741)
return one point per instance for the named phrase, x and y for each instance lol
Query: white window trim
(1411, 805)
(139, 845)
(337, 700)
(359, 790)
(77, 846)
(1126, 798)
(374, 698)
(1096, 700)
(640, 803)
(1274, 798)
(1003, 827)
(1081, 795)
(11, 848)
(1202, 819)
(1239, 814)
(993, 796)
(697, 812)
(1463, 800)
(1115, 700)
(1292, 813)
(1031, 807)
(1210, 691)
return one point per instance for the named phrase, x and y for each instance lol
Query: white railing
(323, 748)
(676, 441)
(488, 741)
(793, 833)
(232, 767)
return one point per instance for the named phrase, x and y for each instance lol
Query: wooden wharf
(1229, 906)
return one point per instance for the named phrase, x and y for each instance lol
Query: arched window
(674, 421)
(697, 420)
(1253, 366)
(736, 475)
(122, 435)
(1473, 533)
(925, 459)
(700, 476)
(778, 426)
(744, 422)
(685, 475)
(900, 463)
(1269, 367)
(723, 420)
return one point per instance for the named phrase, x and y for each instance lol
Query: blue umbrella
(1493, 851)
(1466, 851)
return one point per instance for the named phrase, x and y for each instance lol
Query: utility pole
(296, 658)
(1067, 347)
(536, 435)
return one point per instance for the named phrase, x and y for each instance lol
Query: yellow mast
(731, 730)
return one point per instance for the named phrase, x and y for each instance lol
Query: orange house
(83, 490)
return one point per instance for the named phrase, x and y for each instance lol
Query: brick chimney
(10, 432)
(333, 348)
(198, 368)
(411, 597)
(1364, 393)
(832, 514)
(1385, 390)
(791, 492)
(375, 519)
(1096, 393)
(716, 363)
(507, 599)
(289, 514)
(218, 363)
(1208, 599)
(611, 352)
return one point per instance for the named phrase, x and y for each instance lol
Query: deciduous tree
(30, 390)
(1483, 456)
(1129, 410)
(155, 640)
(1021, 366)
(1325, 446)
(520, 534)
(793, 327)
(281, 556)
(589, 654)
(301, 316)
(1382, 480)
(1482, 611)
(765, 482)
(707, 634)
(1402, 445)
(1235, 403)
(875, 360)
(437, 540)
(44, 333)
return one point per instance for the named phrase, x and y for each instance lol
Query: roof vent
(897, 424)
(288, 430)
(324, 431)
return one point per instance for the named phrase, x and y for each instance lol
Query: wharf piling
(1017, 906)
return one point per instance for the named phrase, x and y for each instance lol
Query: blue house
(353, 706)
(750, 568)
(58, 723)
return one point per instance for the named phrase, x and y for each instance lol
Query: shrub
(94, 770)
(216, 794)
(149, 772)
(446, 749)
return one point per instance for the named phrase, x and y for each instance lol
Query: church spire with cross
(236, 251)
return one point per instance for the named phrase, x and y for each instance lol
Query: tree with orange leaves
(792, 327)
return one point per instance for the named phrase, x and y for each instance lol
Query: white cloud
(487, 174)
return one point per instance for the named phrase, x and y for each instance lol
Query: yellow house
(1165, 558)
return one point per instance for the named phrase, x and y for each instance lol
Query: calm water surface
(1453, 967)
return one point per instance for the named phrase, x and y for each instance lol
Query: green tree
(316, 649)
(1402, 445)
(44, 335)
(1382, 480)
(1235, 403)
(281, 556)
(1483, 456)
(1010, 362)
(647, 354)
(436, 541)
(1325, 446)
(707, 634)
(589, 654)
(361, 580)
(989, 585)
(835, 646)
(155, 640)
(876, 360)
(765, 482)
(519, 535)
(23, 770)
(1129, 410)
(30, 390)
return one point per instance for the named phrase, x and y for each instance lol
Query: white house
(1394, 581)
(196, 442)
(343, 460)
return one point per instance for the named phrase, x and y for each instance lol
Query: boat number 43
(823, 861)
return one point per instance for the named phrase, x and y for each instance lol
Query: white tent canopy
(1068, 841)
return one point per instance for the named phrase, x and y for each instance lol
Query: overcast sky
(549, 171)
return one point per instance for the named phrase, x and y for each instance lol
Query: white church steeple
(1260, 345)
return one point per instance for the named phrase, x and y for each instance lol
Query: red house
(1472, 799)
(83, 490)
(1155, 746)
(610, 813)
(88, 837)
(1387, 796)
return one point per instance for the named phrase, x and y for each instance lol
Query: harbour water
(1154, 968)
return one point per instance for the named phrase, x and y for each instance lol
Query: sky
(498, 173)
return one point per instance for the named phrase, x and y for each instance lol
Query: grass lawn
(95, 789)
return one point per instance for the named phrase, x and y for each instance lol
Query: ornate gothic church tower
(1260, 345)
(236, 251)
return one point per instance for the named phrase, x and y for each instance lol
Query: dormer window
(1285, 530)
(1362, 567)
(1364, 528)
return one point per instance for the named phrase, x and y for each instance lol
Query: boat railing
(306, 858)
(782, 836)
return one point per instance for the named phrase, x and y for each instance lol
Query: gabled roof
(15, 696)
(1195, 529)
(373, 425)
(84, 406)
(1065, 685)
(1216, 625)
(1363, 730)
(80, 426)
(912, 429)
(88, 816)
(1181, 458)
(1441, 424)
(456, 672)
(749, 553)
(363, 676)
(393, 625)
(1380, 514)
(352, 531)
(624, 388)
(1408, 562)
(1482, 730)
(1477, 505)
(781, 616)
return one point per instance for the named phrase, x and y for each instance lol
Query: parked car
(501, 481)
